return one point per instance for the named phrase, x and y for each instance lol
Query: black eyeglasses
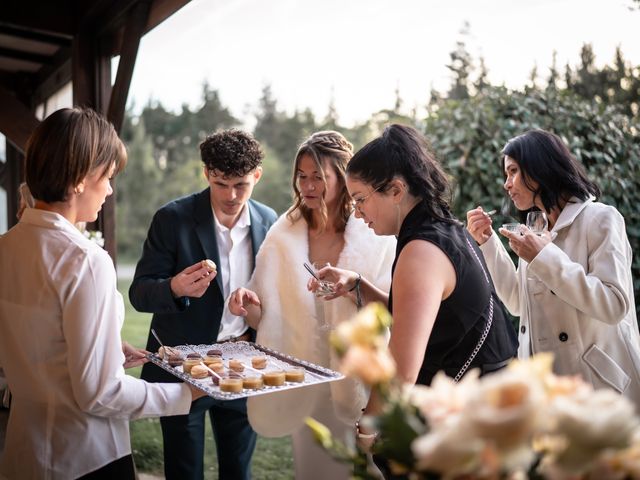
(358, 202)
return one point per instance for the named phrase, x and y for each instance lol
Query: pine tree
(461, 67)
(568, 77)
(482, 81)
(533, 78)
(588, 81)
(330, 122)
(552, 83)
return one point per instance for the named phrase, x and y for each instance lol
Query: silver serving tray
(314, 374)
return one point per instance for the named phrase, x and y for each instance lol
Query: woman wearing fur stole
(319, 228)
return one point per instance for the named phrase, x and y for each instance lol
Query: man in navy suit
(187, 298)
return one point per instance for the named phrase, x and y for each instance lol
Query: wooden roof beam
(16, 120)
(13, 31)
(134, 29)
(26, 56)
(104, 16)
(113, 19)
(161, 10)
(110, 15)
(51, 79)
(53, 17)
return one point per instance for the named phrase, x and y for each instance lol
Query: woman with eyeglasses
(446, 316)
(572, 287)
(320, 228)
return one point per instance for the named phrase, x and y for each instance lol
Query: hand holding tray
(283, 372)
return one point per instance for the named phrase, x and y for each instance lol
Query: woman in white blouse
(60, 317)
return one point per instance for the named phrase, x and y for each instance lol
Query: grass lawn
(272, 459)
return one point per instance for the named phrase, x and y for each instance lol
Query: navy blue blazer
(182, 233)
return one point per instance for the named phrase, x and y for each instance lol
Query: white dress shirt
(60, 347)
(236, 264)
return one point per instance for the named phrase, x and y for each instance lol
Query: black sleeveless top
(463, 315)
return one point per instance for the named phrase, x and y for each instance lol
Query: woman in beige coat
(572, 288)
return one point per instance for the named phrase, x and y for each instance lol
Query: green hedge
(469, 134)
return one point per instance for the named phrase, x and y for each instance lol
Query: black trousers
(122, 469)
(183, 437)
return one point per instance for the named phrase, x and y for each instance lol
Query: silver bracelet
(364, 436)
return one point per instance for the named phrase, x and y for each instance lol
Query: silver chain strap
(483, 337)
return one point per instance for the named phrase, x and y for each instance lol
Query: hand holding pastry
(193, 281)
(211, 266)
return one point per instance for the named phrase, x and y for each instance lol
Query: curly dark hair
(233, 152)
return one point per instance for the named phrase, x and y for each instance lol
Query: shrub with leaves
(469, 134)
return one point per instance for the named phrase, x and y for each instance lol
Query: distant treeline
(594, 109)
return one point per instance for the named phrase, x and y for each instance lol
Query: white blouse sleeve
(91, 328)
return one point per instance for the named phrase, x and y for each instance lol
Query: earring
(398, 217)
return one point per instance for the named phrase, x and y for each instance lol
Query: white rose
(506, 410)
(619, 464)
(591, 422)
(450, 450)
(444, 398)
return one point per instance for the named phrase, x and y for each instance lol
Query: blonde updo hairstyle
(326, 148)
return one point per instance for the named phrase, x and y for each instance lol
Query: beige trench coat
(576, 297)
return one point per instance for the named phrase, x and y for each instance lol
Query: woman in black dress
(446, 315)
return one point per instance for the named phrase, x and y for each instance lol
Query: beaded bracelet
(356, 287)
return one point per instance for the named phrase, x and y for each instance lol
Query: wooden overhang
(44, 45)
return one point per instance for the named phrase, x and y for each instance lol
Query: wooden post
(134, 29)
(15, 176)
(91, 77)
(17, 121)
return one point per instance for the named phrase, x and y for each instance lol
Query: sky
(358, 52)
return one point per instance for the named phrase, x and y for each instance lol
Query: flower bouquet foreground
(522, 422)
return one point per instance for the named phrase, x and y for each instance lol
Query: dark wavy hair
(330, 147)
(401, 151)
(67, 146)
(544, 158)
(233, 152)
